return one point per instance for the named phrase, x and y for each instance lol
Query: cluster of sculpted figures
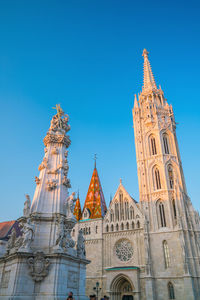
(64, 241)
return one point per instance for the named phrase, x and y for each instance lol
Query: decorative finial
(120, 181)
(145, 52)
(95, 160)
(60, 112)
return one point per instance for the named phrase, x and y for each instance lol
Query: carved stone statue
(44, 164)
(70, 204)
(37, 180)
(64, 241)
(28, 230)
(60, 234)
(66, 182)
(27, 205)
(51, 184)
(11, 241)
(80, 245)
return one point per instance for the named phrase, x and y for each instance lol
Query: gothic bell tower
(173, 223)
(159, 165)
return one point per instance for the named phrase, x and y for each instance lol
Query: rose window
(124, 250)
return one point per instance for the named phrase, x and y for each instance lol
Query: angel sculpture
(70, 204)
(28, 230)
(80, 245)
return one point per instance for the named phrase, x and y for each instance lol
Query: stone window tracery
(171, 291)
(166, 255)
(166, 143)
(171, 177)
(124, 250)
(153, 145)
(157, 179)
(162, 215)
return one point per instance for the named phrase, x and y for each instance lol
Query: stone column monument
(45, 262)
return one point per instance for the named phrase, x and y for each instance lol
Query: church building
(147, 249)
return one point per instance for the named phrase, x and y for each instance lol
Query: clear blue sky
(86, 55)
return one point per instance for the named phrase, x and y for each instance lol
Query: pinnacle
(149, 81)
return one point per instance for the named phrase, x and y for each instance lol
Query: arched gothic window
(117, 227)
(122, 226)
(138, 224)
(171, 177)
(166, 255)
(153, 145)
(165, 143)
(157, 179)
(107, 228)
(133, 225)
(162, 214)
(111, 216)
(126, 210)
(174, 209)
(171, 291)
(131, 213)
(116, 211)
(112, 227)
(121, 206)
(127, 225)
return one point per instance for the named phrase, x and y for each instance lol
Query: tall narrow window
(122, 226)
(131, 213)
(116, 212)
(126, 210)
(121, 206)
(174, 209)
(157, 179)
(111, 216)
(117, 227)
(166, 255)
(112, 227)
(107, 228)
(171, 177)
(127, 225)
(165, 143)
(138, 224)
(171, 291)
(153, 145)
(133, 225)
(162, 215)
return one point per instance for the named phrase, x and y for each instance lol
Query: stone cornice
(25, 255)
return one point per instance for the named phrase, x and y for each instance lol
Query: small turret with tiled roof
(77, 209)
(95, 204)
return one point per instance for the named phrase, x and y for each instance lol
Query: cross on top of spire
(149, 81)
(95, 160)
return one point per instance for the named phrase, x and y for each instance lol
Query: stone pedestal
(64, 273)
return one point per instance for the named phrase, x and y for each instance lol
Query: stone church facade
(146, 250)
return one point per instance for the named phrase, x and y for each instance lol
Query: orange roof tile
(77, 209)
(5, 227)
(95, 201)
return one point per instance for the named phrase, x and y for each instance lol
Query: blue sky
(86, 55)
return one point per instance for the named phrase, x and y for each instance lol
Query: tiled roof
(77, 209)
(95, 201)
(5, 228)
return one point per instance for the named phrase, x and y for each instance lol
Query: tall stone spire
(149, 81)
(52, 184)
(77, 209)
(95, 202)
